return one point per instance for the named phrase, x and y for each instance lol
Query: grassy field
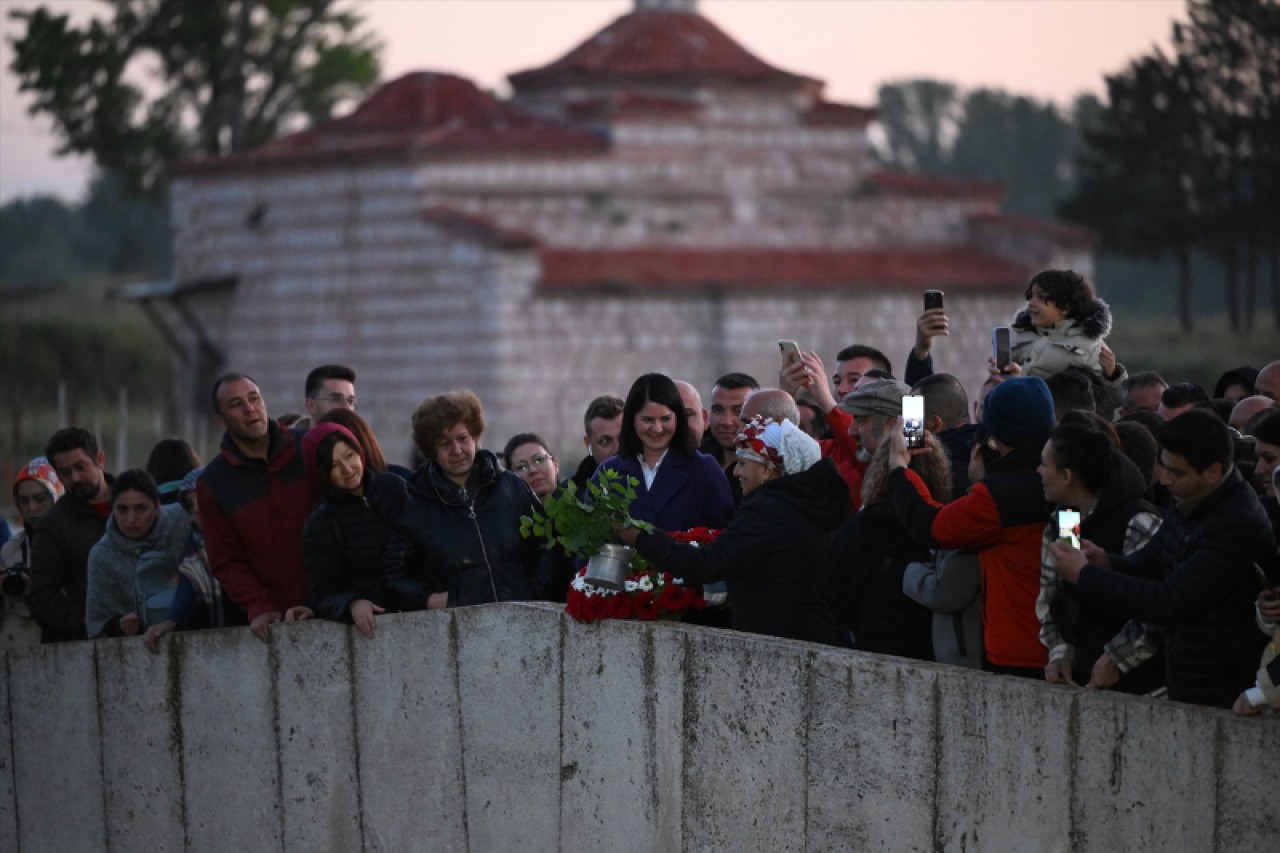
(1201, 356)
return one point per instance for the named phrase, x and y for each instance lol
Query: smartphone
(790, 351)
(932, 299)
(913, 421)
(1069, 527)
(1001, 341)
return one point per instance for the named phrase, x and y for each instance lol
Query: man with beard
(254, 498)
(61, 541)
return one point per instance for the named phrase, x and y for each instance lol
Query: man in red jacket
(806, 379)
(1002, 518)
(254, 498)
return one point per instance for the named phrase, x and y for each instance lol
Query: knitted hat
(779, 443)
(1018, 411)
(881, 397)
(311, 446)
(40, 471)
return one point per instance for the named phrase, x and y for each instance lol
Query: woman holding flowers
(774, 551)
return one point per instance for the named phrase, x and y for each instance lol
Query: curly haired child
(1064, 324)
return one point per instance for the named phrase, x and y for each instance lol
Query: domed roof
(659, 45)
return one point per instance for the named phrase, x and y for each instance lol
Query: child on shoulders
(1064, 324)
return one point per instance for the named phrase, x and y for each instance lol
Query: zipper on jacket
(484, 551)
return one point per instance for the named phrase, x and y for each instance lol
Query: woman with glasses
(528, 456)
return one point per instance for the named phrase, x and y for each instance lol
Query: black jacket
(712, 448)
(346, 543)
(774, 554)
(471, 538)
(1090, 628)
(1202, 595)
(869, 556)
(59, 572)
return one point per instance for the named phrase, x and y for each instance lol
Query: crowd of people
(1077, 524)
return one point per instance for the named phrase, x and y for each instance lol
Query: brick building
(657, 199)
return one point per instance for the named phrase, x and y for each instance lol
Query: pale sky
(1050, 49)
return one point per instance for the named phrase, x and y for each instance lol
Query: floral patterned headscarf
(781, 444)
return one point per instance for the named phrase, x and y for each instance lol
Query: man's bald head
(773, 403)
(1244, 411)
(693, 411)
(1268, 382)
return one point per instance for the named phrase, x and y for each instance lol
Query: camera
(15, 582)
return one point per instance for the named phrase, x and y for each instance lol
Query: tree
(1137, 173)
(232, 74)
(1187, 152)
(1022, 143)
(919, 119)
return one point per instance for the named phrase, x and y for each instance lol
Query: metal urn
(610, 567)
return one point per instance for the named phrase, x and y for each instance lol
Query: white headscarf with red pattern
(781, 444)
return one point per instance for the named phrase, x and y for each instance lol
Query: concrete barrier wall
(511, 727)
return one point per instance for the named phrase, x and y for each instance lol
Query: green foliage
(46, 245)
(919, 118)
(986, 134)
(92, 348)
(581, 527)
(1186, 154)
(234, 74)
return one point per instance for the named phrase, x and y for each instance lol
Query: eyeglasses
(535, 462)
(337, 399)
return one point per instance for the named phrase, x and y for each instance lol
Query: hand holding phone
(1069, 526)
(790, 351)
(1001, 344)
(913, 421)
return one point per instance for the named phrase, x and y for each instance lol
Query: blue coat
(689, 491)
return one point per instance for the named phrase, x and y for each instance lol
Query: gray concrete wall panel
(409, 741)
(509, 688)
(745, 743)
(622, 730)
(873, 752)
(144, 794)
(317, 734)
(1004, 772)
(1118, 800)
(8, 787)
(230, 751)
(57, 753)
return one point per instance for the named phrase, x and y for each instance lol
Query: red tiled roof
(480, 228)
(659, 45)
(420, 112)
(1073, 236)
(828, 114)
(935, 186)
(654, 268)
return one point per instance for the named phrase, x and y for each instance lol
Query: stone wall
(511, 727)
